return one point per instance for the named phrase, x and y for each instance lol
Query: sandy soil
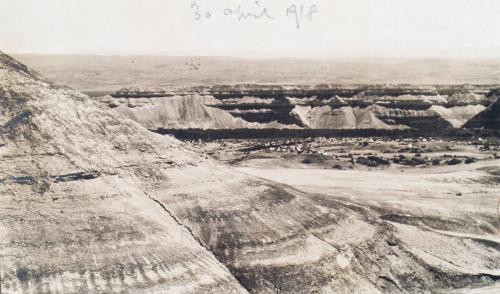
(452, 191)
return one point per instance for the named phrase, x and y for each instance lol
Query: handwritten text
(251, 11)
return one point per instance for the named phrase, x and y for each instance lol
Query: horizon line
(256, 57)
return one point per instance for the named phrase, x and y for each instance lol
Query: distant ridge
(110, 73)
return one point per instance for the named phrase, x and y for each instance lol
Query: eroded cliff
(380, 107)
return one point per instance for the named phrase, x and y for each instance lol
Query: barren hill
(74, 199)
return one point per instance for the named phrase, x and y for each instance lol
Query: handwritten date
(299, 13)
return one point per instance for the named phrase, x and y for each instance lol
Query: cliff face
(427, 108)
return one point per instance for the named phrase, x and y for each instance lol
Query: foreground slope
(75, 217)
(92, 202)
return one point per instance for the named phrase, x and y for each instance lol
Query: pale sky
(339, 28)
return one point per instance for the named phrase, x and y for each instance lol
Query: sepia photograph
(249, 146)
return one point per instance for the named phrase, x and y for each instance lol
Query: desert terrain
(243, 186)
(97, 74)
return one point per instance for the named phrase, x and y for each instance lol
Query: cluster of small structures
(342, 153)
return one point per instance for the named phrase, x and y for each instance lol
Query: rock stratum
(181, 112)
(90, 201)
(323, 107)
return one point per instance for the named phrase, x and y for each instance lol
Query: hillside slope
(326, 117)
(457, 116)
(488, 119)
(75, 212)
(180, 112)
